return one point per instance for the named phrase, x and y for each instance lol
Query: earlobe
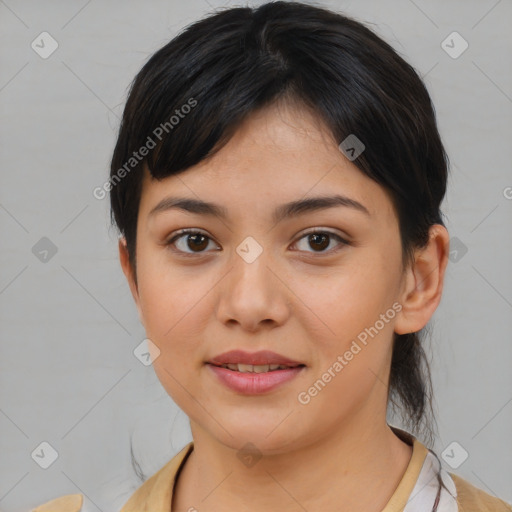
(128, 272)
(423, 283)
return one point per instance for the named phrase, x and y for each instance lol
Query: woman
(277, 183)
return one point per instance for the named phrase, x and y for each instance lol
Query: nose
(253, 294)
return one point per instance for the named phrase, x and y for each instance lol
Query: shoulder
(67, 503)
(156, 492)
(473, 499)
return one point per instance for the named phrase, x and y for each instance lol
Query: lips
(263, 357)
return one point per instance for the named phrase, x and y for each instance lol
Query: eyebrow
(291, 209)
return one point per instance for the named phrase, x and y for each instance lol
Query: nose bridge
(252, 294)
(251, 277)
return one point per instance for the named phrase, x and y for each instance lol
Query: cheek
(344, 302)
(174, 310)
(342, 317)
(175, 314)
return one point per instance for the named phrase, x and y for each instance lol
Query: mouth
(263, 361)
(248, 379)
(256, 368)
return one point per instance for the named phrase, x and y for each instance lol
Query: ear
(423, 283)
(129, 274)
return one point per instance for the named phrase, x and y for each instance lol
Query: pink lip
(254, 358)
(254, 383)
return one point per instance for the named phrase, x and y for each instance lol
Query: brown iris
(199, 241)
(322, 239)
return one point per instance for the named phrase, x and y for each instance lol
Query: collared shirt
(419, 489)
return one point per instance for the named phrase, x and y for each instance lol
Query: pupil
(315, 238)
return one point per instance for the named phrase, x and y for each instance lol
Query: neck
(366, 466)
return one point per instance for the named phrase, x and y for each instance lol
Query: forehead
(277, 155)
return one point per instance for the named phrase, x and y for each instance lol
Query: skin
(298, 299)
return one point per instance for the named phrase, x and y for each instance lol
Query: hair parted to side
(236, 61)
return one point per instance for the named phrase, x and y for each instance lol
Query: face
(314, 285)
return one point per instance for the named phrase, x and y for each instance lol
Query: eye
(191, 239)
(320, 240)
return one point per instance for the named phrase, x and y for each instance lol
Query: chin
(263, 438)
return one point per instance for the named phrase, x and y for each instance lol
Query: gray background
(68, 325)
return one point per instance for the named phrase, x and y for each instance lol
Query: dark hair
(231, 63)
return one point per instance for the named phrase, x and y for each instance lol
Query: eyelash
(190, 231)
